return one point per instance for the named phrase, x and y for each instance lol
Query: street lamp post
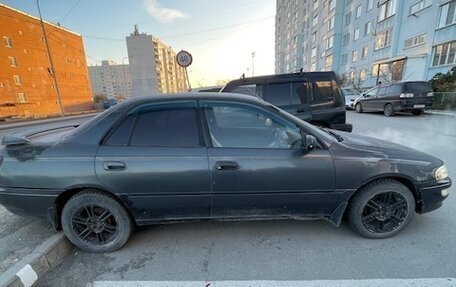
(124, 77)
(253, 64)
(53, 75)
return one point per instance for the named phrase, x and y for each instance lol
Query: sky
(221, 35)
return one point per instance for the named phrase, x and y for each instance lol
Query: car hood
(384, 148)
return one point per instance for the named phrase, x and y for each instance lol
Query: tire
(372, 222)
(388, 110)
(418, 112)
(358, 108)
(96, 222)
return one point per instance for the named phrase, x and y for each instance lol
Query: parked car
(350, 95)
(399, 97)
(153, 160)
(314, 97)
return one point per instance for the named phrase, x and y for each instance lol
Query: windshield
(349, 92)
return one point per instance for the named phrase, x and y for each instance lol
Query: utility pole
(253, 64)
(59, 98)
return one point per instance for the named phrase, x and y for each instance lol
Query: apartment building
(153, 66)
(111, 80)
(27, 87)
(367, 41)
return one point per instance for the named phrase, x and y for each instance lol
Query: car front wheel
(95, 222)
(381, 209)
(358, 108)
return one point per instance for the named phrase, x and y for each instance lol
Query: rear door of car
(156, 161)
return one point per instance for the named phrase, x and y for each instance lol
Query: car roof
(193, 96)
(289, 76)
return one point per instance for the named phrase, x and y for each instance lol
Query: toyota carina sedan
(172, 158)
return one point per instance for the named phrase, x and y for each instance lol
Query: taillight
(406, 95)
(430, 94)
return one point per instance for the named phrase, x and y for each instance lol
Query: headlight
(441, 173)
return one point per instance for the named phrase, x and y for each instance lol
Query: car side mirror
(364, 95)
(309, 142)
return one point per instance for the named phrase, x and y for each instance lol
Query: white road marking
(419, 282)
(27, 275)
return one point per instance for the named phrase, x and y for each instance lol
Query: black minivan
(398, 97)
(312, 96)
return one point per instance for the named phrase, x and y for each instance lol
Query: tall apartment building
(26, 84)
(367, 40)
(153, 66)
(111, 80)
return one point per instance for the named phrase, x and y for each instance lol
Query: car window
(372, 92)
(299, 93)
(418, 87)
(323, 91)
(395, 90)
(121, 135)
(247, 127)
(250, 89)
(279, 94)
(382, 91)
(170, 127)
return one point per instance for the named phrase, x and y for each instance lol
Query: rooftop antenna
(136, 32)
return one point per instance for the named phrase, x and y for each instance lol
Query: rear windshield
(417, 87)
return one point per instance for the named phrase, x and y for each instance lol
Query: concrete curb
(33, 266)
(441, 113)
(7, 126)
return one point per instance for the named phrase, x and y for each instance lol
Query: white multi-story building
(367, 40)
(153, 66)
(111, 80)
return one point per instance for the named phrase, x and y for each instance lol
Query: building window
(382, 39)
(329, 42)
(387, 10)
(13, 62)
(444, 54)
(315, 20)
(364, 52)
(314, 37)
(17, 80)
(354, 56)
(315, 4)
(363, 74)
(420, 6)
(332, 4)
(358, 12)
(367, 28)
(331, 23)
(314, 52)
(22, 98)
(370, 5)
(329, 61)
(313, 66)
(415, 41)
(349, 2)
(344, 59)
(346, 39)
(356, 34)
(348, 17)
(447, 14)
(8, 42)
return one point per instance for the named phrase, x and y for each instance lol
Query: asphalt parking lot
(290, 250)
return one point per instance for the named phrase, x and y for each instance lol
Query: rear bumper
(28, 202)
(414, 104)
(431, 195)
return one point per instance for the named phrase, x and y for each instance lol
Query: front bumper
(431, 195)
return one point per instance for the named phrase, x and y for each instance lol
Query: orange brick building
(26, 83)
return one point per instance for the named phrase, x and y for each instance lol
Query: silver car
(350, 95)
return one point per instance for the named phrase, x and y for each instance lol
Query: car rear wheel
(381, 209)
(388, 110)
(95, 222)
(358, 108)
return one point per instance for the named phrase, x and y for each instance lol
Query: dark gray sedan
(172, 158)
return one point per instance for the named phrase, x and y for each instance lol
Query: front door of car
(259, 167)
(368, 100)
(156, 162)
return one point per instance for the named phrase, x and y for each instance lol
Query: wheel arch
(65, 196)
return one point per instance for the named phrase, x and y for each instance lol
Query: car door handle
(226, 165)
(114, 165)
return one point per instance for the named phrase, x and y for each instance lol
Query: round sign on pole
(184, 59)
